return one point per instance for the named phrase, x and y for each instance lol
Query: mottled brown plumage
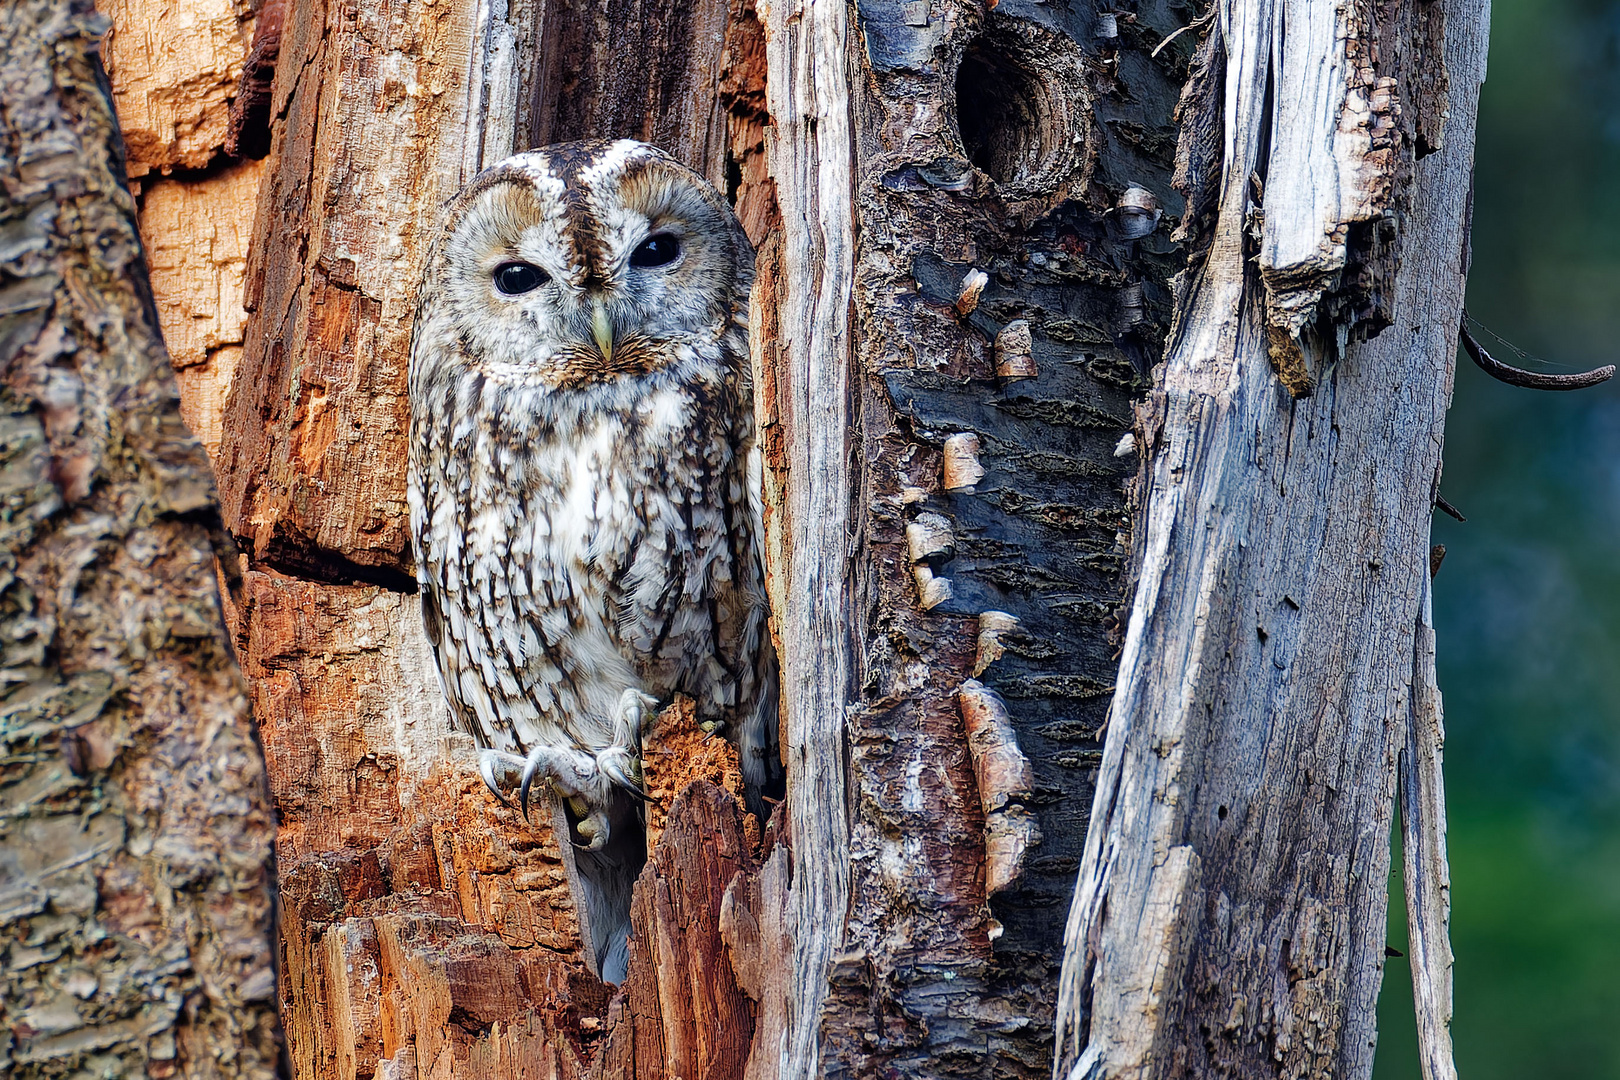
(584, 485)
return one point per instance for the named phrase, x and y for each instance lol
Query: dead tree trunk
(1230, 914)
(966, 274)
(135, 828)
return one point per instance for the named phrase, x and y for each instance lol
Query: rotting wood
(172, 73)
(1032, 510)
(1000, 142)
(136, 905)
(374, 115)
(372, 787)
(1240, 844)
(387, 109)
(174, 70)
(684, 1012)
(248, 135)
(679, 753)
(196, 233)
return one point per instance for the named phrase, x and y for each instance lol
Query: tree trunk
(965, 275)
(1230, 914)
(136, 844)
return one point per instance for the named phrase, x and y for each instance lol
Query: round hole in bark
(1021, 106)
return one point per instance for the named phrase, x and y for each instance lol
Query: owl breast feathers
(584, 484)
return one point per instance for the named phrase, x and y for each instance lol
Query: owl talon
(501, 772)
(617, 765)
(523, 790)
(594, 828)
(635, 708)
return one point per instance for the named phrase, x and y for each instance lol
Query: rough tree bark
(135, 828)
(966, 273)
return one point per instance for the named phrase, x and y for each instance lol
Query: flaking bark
(135, 864)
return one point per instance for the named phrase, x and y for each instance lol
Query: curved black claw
(1530, 380)
(486, 769)
(622, 778)
(523, 790)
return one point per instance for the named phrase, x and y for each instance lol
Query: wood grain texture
(174, 70)
(388, 109)
(673, 100)
(135, 828)
(196, 232)
(382, 814)
(802, 346)
(1424, 870)
(682, 1012)
(376, 115)
(1230, 912)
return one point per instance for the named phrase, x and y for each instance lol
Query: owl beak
(602, 328)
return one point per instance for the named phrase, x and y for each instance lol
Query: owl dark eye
(659, 250)
(514, 278)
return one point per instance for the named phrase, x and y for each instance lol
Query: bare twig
(1200, 23)
(1529, 379)
(1441, 504)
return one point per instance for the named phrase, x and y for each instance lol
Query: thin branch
(1530, 380)
(1198, 23)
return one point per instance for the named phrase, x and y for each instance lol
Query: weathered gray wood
(1424, 870)
(1229, 915)
(135, 829)
(802, 366)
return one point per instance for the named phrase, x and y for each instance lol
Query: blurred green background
(1528, 603)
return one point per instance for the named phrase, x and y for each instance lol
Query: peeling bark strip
(1005, 781)
(134, 826)
(1423, 850)
(1240, 844)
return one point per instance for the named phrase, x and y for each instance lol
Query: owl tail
(603, 880)
(757, 749)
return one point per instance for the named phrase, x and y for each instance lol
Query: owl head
(585, 264)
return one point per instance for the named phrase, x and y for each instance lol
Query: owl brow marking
(573, 163)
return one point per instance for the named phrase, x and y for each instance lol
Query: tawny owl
(584, 484)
